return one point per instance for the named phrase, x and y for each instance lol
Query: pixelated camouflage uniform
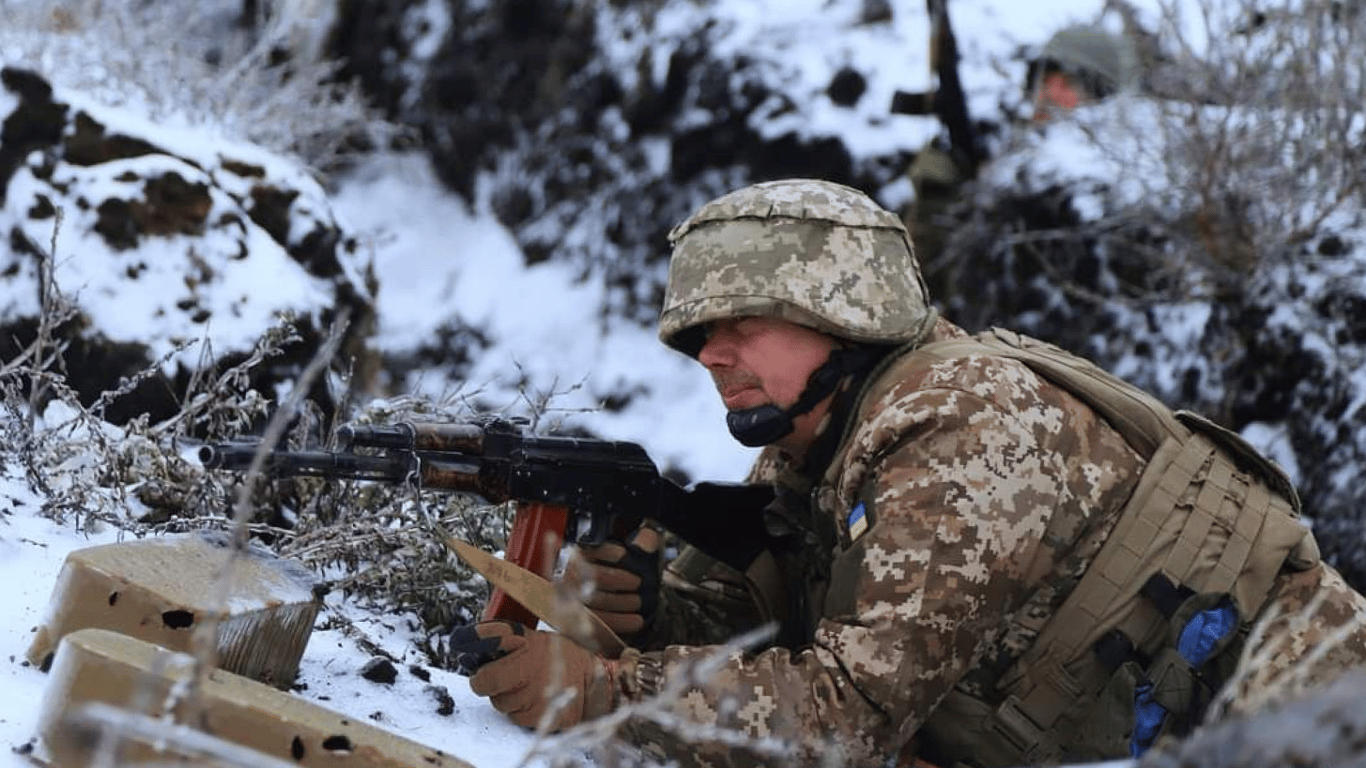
(981, 485)
(960, 505)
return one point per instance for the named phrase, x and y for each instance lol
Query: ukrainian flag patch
(857, 521)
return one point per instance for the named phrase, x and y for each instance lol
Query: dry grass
(265, 80)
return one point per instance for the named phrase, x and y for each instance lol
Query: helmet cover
(816, 253)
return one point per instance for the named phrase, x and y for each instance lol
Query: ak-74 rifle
(947, 101)
(570, 488)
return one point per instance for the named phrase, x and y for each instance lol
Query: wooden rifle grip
(537, 533)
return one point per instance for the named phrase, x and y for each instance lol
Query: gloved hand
(619, 582)
(467, 650)
(524, 673)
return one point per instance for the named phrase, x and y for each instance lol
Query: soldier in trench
(1078, 66)
(982, 550)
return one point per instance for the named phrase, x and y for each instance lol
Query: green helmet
(816, 253)
(1108, 59)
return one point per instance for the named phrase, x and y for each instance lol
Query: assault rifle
(576, 489)
(947, 101)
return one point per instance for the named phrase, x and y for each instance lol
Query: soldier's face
(763, 361)
(1056, 93)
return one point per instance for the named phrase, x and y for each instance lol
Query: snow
(136, 310)
(545, 321)
(430, 250)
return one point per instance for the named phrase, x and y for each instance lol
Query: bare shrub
(1242, 152)
(374, 541)
(367, 540)
(262, 77)
(1263, 129)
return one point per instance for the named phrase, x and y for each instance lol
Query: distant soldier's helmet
(1108, 62)
(816, 253)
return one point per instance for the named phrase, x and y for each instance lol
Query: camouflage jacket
(959, 494)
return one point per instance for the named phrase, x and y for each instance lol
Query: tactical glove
(619, 582)
(467, 650)
(527, 673)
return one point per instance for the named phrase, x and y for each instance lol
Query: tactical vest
(1209, 525)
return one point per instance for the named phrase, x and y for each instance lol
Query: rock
(113, 210)
(379, 670)
(445, 703)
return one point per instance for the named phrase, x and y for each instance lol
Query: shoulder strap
(1141, 418)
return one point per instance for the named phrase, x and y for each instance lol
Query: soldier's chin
(743, 401)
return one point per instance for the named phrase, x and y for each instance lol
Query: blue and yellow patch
(857, 521)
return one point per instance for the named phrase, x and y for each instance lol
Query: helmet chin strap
(766, 424)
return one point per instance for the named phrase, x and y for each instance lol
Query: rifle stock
(565, 488)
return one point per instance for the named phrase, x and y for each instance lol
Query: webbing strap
(1043, 695)
(1118, 570)
(1246, 528)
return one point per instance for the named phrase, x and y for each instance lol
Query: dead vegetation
(366, 540)
(257, 70)
(1264, 124)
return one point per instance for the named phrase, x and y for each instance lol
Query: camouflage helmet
(816, 253)
(1108, 59)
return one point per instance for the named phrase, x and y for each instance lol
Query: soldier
(982, 550)
(1079, 65)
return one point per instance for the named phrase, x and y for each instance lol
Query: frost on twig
(266, 80)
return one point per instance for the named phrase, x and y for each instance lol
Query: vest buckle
(1021, 732)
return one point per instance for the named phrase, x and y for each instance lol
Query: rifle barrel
(602, 483)
(238, 457)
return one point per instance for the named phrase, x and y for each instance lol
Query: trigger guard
(586, 534)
